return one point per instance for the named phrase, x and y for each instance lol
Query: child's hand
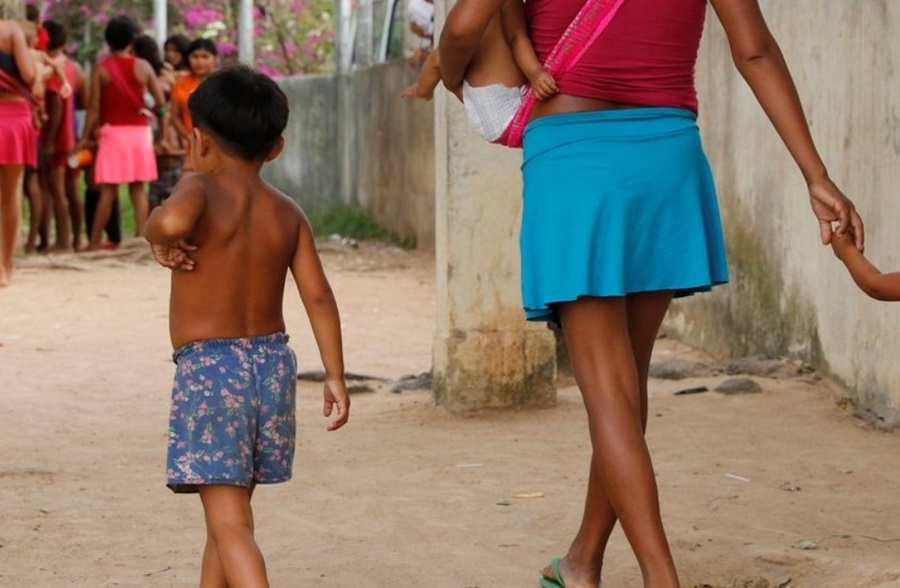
(336, 394)
(543, 85)
(65, 90)
(174, 256)
(843, 245)
(412, 91)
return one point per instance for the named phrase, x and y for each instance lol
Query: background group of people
(135, 130)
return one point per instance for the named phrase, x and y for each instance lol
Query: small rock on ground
(738, 386)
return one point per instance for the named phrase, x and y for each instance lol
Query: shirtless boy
(230, 239)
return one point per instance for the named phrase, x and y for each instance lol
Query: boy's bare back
(248, 235)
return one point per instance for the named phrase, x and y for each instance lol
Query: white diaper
(491, 108)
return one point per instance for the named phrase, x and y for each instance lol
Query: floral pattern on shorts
(232, 418)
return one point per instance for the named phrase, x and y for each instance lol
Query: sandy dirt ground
(406, 495)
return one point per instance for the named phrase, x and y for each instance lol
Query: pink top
(122, 98)
(645, 56)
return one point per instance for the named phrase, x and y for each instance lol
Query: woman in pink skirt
(124, 139)
(18, 140)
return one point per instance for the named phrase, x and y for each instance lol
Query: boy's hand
(174, 256)
(412, 91)
(543, 85)
(336, 394)
(843, 244)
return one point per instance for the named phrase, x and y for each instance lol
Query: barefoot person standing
(18, 140)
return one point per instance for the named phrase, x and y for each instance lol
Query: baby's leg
(493, 62)
(231, 558)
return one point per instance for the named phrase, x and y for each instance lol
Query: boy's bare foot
(30, 249)
(60, 248)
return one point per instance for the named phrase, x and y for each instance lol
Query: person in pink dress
(120, 121)
(18, 141)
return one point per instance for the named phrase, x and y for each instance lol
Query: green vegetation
(354, 223)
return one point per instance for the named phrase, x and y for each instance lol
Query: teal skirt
(617, 202)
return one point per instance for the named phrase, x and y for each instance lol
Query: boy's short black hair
(244, 111)
(202, 44)
(56, 34)
(120, 32)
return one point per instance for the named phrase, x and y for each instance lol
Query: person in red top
(125, 152)
(58, 139)
(620, 215)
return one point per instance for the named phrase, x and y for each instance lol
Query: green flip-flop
(556, 581)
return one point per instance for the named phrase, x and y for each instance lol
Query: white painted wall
(788, 293)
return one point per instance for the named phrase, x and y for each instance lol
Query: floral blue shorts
(232, 419)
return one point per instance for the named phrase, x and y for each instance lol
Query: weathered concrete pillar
(485, 354)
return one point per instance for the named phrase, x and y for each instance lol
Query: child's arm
(177, 123)
(171, 224)
(512, 17)
(429, 78)
(318, 300)
(871, 281)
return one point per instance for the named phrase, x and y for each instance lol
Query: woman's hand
(830, 205)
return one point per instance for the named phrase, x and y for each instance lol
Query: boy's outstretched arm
(321, 307)
(171, 224)
(512, 17)
(879, 286)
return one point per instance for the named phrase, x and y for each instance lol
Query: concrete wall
(788, 293)
(352, 140)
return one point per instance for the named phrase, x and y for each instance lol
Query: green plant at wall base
(354, 223)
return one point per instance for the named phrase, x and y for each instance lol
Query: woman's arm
(759, 60)
(175, 113)
(461, 35)
(22, 56)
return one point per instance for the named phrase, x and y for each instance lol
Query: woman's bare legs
(76, 209)
(36, 204)
(108, 192)
(141, 205)
(56, 184)
(10, 217)
(611, 371)
(231, 558)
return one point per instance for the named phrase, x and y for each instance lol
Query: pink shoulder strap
(13, 84)
(589, 23)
